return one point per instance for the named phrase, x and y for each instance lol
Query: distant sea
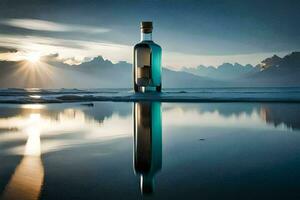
(36, 95)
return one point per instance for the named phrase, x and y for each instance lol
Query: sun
(33, 57)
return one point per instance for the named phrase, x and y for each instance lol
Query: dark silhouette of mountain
(226, 71)
(268, 62)
(276, 71)
(271, 72)
(179, 79)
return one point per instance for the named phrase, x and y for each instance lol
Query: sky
(190, 32)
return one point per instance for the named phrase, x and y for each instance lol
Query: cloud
(65, 49)
(74, 51)
(44, 25)
(50, 57)
(7, 50)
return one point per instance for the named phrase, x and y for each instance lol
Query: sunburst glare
(33, 57)
(34, 71)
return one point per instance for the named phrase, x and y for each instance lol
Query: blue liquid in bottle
(147, 62)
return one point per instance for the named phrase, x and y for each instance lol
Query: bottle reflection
(147, 143)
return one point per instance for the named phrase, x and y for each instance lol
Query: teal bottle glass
(147, 143)
(147, 62)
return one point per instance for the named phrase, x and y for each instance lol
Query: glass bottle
(147, 62)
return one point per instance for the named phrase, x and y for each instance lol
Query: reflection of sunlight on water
(35, 96)
(33, 144)
(36, 122)
(33, 106)
(27, 180)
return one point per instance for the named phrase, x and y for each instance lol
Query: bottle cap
(146, 27)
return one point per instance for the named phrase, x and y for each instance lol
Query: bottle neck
(146, 36)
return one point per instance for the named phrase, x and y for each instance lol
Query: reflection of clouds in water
(69, 127)
(58, 130)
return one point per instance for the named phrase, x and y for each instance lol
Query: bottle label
(143, 69)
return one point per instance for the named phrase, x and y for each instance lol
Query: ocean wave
(35, 95)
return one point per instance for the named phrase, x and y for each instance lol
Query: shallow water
(106, 150)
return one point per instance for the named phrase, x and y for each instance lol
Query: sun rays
(36, 69)
(33, 71)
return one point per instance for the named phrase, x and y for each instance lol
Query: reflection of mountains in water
(271, 113)
(93, 111)
(287, 114)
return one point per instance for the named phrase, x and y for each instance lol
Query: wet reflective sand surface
(153, 150)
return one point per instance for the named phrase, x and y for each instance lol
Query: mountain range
(226, 71)
(51, 72)
(271, 72)
(278, 71)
